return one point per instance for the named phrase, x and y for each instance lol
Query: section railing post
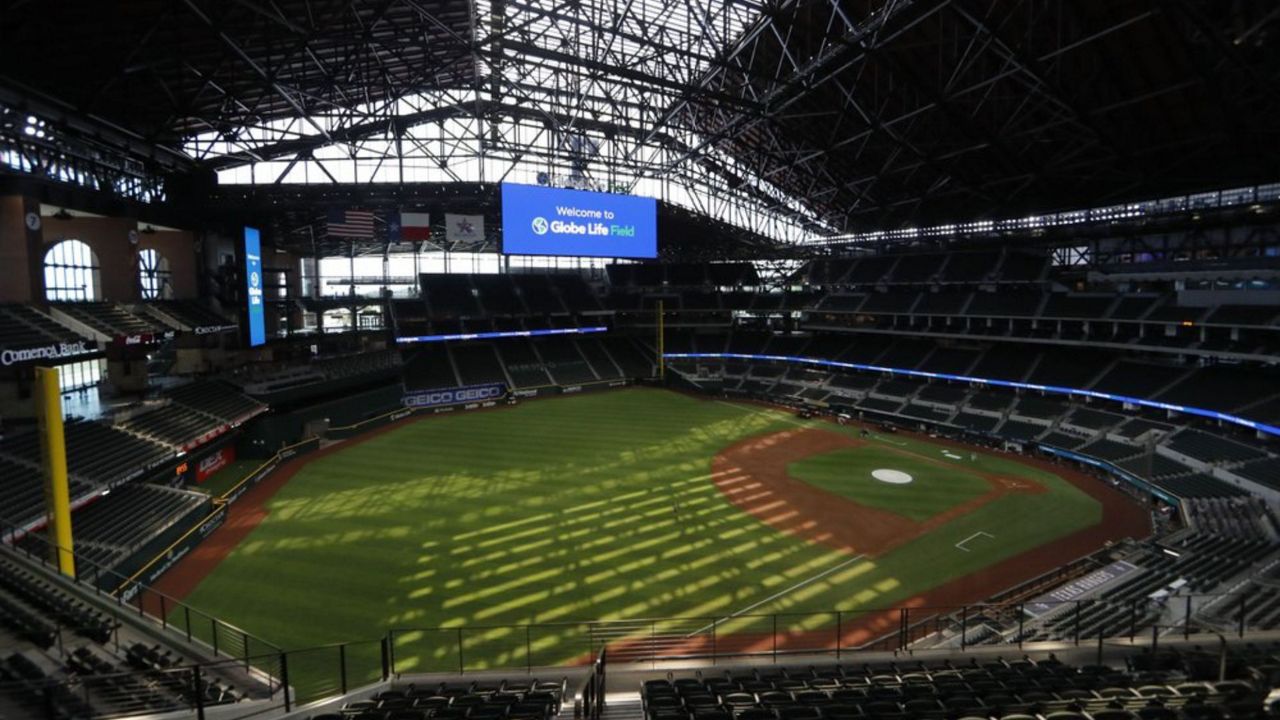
(186, 620)
(197, 692)
(528, 651)
(386, 657)
(284, 680)
(244, 637)
(1133, 621)
(713, 641)
(839, 622)
(462, 666)
(213, 630)
(964, 626)
(164, 613)
(1240, 630)
(1186, 620)
(342, 667)
(775, 638)
(1076, 622)
(1022, 618)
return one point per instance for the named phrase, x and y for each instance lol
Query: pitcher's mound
(893, 477)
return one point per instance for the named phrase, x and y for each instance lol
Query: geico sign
(453, 396)
(45, 352)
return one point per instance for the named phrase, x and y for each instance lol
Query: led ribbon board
(503, 334)
(253, 286)
(552, 221)
(1055, 389)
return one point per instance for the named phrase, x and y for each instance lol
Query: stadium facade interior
(751, 360)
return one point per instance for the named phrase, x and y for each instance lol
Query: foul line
(959, 545)
(777, 595)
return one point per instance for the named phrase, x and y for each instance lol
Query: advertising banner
(454, 396)
(52, 351)
(552, 221)
(214, 462)
(1079, 587)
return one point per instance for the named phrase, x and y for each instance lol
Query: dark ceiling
(950, 111)
(165, 69)
(875, 114)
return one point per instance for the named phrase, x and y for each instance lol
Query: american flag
(351, 223)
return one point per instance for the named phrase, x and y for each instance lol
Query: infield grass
(933, 488)
(598, 506)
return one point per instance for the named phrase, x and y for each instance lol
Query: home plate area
(893, 477)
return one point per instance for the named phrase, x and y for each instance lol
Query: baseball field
(638, 503)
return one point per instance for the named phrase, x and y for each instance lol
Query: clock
(33, 221)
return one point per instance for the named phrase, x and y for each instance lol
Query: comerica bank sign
(53, 351)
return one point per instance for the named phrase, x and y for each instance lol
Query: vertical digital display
(253, 286)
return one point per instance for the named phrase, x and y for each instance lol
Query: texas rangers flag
(463, 228)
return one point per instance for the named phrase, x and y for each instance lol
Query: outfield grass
(562, 510)
(933, 488)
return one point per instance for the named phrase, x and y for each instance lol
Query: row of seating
(526, 362)
(24, 326)
(217, 398)
(1228, 390)
(28, 686)
(482, 700)
(1237, 515)
(187, 314)
(22, 489)
(40, 596)
(110, 528)
(1019, 689)
(109, 319)
(957, 267)
(452, 295)
(167, 670)
(96, 452)
(171, 424)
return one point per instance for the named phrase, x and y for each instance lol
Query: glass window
(153, 275)
(79, 375)
(71, 272)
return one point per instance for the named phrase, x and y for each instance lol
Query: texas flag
(415, 227)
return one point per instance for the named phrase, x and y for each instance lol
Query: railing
(179, 622)
(588, 702)
(459, 650)
(1213, 199)
(296, 677)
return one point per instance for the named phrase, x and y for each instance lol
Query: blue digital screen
(1055, 389)
(406, 339)
(553, 221)
(253, 286)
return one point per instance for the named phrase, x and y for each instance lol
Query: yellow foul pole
(53, 447)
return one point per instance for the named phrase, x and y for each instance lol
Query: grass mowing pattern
(562, 510)
(847, 473)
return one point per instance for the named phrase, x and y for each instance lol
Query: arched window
(71, 272)
(153, 275)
